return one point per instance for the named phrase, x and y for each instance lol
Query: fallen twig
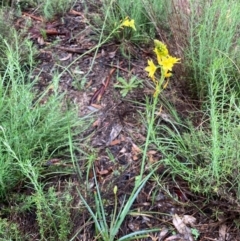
(99, 92)
(72, 50)
(76, 13)
(33, 17)
(118, 67)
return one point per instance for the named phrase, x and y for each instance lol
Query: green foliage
(146, 14)
(206, 156)
(108, 230)
(127, 86)
(48, 8)
(9, 231)
(52, 209)
(79, 82)
(51, 8)
(212, 36)
(34, 127)
(157, 13)
(53, 214)
(31, 127)
(37, 127)
(12, 44)
(195, 233)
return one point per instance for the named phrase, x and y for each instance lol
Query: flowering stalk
(165, 63)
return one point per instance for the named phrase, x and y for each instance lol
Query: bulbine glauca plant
(165, 63)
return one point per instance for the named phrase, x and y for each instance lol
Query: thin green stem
(151, 123)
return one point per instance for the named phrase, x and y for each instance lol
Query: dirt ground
(117, 132)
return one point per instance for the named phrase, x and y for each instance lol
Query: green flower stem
(151, 123)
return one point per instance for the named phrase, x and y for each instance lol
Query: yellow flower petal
(167, 74)
(151, 69)
(168, 62)
(128, 23)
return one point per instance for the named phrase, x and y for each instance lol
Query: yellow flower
(160, 50)
(167, 74)
(151, 69)
(128, 23)
(168, 62)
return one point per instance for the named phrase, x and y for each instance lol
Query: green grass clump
(119, 10)
(107, 229)
(146, 14)
(11, 40)
(51, 8)
(9, 231)
(207, 155)
(52, 208)
(31, 128)
(46, 8)
(34, 128)
(213, 35)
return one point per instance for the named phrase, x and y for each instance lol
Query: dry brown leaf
(123, 150)
(54, 161)
(163, 234)
(73, 12)
(174, 238)
(40, 41)
(134, 226)
(135, 149)
(152, 152)
(222, 232)
(188, 219)
(103, 53)
(96, 123)
(151, 158)
(135, 157)
(112, 54)
(89, 83)
(182, 228)
(179, 224)
(103, 172)
(40, 19)
(116, 129)
(96, 106)
(115, 142)
(66, 58)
